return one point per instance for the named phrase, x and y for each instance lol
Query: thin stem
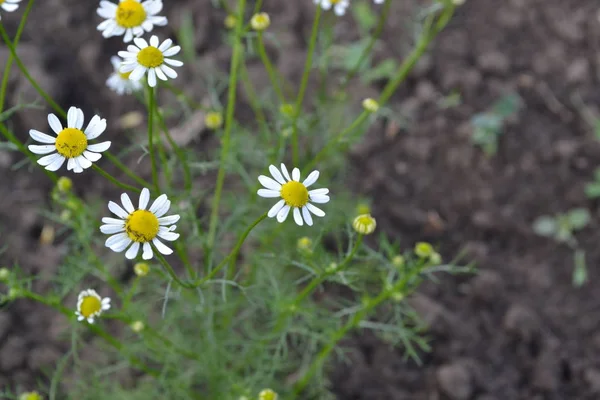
(253, 98)
(115, 180)
(14, 140)
(403, 71)
(367, 50)
(232, 256)
(151, 106)
(8, 64)
(179, 153)
(115, 161)
(233, 77)
(179, 93)
(27, 75)
(304, 84)
(269, 67)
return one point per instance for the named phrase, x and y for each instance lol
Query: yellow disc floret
(141, 226)
(71, 143)
(90, 305)
(150, 57)
(295, 194)
(125, 75)
(364, 224)
(130, 14)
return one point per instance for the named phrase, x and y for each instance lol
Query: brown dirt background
(516, 330)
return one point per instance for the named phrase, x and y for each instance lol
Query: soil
(518, 329)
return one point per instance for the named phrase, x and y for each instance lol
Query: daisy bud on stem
(260, 21)
(364, 224)
(213, 120)
(267, 394)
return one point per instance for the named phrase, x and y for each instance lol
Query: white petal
(172, 51)
(72, 117)
(276, 174)
(56, 164)
(315, 210)
(99, 147)
(317, 192)
(285, 172)
(283, 213)
(140, 42)
(158, 203)
(165, 45)
(268, 193)
(41, 149)
(137, 73)
(170, 220)
(133, 251)
(168, 235)
(80, 119)
(174, 63)
(115, 239)
(122, 245)
(54, 123)
(41, 137)
(93, 157)
(127, 204)
(147, 251)
(307, 216)
(160, 246)
(296, 174)
(154, 42)
(95, 128)
(168, 71)
(269, 183)
(151, 77)
(113, 221)
(144, 199)
(117, 210)
(47, 160)
(298, 216)
(319, 198)
(70, 164)
(111, 229)
(311, 178)
(83, 162)
(276, 208)
(160, 74)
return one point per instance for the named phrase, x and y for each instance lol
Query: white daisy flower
(339, 6)
(119, 81)
(378, 1)
(71, 143)
(129, 17)
(140, 226)
(90, 305)
(151, 58)
(294, 194)
(9, 5)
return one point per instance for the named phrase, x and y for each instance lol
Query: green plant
(488, 126)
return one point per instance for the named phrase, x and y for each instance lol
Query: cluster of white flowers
(339, 6)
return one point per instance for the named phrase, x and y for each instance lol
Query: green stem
(179, 153)
(151, 106)
(233, 76)
(403, 71)
(180, 94)
(8, 65)
(367, 50)
(269, 67)
(304, 84)
(253, 98)
(27, 75)
(214, 271)
(115, 161)
(114, 342)
(14, 140)
(114, 180)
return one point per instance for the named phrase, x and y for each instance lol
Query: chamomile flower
(119, 81)
(339, 6)
(140, 226)
(9, 5)
(90, 305)
(294, 195)
(129, 17)
(151, 58)
(71, 143)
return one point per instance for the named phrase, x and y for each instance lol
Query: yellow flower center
(125, 75)
(90, 306)
(141, 226)
(295, 194)
(71, 143)
(334, 1)
(150, 57)
(1, 1)
(130, 14)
